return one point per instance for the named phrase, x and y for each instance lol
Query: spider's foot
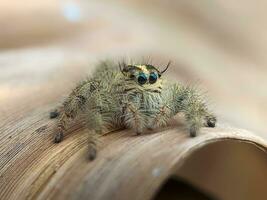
(92, 153)
(59, 137)
(211, 121)
(54, 114)
(150, 127)
(138, 133)
(193, 131)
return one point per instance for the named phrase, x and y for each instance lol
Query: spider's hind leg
(196, 112)
(194, 108)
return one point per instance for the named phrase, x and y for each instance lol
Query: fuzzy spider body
(134, 97)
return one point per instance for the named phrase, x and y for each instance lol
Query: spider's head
(144, 75)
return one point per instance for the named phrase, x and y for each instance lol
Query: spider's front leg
(66, 112)
(71, 107)
(188, 101)
(61, 127)
(99, 114)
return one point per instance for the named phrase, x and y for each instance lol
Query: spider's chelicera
(132, 96)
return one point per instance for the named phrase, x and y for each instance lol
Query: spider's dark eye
(153, 78)
(142, 78)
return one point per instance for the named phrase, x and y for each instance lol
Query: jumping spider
(132, 96)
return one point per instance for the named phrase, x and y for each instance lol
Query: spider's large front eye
(153, 78)
(142, 78)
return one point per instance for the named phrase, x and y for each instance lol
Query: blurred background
(219, 45)
(47, 46)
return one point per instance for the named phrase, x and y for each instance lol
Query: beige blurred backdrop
(219, 44)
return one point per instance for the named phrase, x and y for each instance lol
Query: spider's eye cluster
(142, 78)
(153, 78)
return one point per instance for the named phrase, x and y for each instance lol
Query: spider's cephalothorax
(131, 96)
